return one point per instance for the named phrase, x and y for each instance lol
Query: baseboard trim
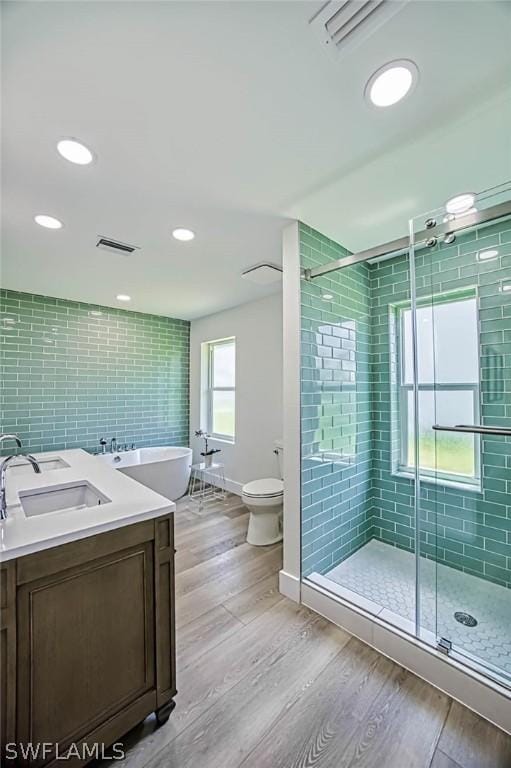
(232, 486)
(474, 691)
(289, 586)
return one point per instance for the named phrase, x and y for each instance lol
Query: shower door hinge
(444, 646)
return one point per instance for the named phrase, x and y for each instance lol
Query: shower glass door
(459, 412)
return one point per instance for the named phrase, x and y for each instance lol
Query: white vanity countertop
(130, 502)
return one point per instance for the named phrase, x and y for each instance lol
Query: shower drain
(465, 618)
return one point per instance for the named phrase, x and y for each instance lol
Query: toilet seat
(267, 488)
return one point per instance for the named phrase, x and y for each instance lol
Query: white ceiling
(227, 118)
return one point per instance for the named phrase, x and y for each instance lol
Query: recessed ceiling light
(391, 83)
(460, 203)
(327, 296)
(50, 222)
(491, 253)
(183, 234)
(123, 297)
(75, 151)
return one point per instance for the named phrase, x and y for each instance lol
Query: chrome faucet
(11, 437)
(113, 445)
(3, 470)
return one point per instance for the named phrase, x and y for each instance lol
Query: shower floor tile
(385, 575)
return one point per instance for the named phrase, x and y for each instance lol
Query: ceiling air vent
(263, 274)
(115, 246)
(342, 26)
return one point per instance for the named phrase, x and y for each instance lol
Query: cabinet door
(7, 654)
(86, 645)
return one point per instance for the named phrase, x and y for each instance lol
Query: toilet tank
(279, 450)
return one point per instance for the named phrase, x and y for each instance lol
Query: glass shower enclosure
(406, 428)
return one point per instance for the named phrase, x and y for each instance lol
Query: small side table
(207, 483)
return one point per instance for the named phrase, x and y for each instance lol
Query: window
(220, 394)
(447, 383)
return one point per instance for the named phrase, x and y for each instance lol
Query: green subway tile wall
(467, 529)
(336, 408)
(73, 373)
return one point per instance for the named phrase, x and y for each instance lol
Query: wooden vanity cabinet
(87, 645)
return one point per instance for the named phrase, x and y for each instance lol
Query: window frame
(472, 482)
(210, 388)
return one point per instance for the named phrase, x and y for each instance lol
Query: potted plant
(208, 452)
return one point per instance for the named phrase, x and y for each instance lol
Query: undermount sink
(23, 468)
(59, 499)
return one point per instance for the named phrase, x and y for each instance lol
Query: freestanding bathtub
(165, 470)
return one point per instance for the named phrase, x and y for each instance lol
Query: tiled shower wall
(336, 408)
(468, 530)
(465, 529)
(73, 373)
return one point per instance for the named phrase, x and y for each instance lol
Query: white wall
(257, 327)
(289, 580)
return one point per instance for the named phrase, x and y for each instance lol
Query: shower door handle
(476, 429)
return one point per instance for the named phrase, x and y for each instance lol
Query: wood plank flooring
(266, 683)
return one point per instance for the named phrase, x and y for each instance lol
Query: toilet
(264, 500)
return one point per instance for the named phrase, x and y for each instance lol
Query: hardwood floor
(266, 683)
